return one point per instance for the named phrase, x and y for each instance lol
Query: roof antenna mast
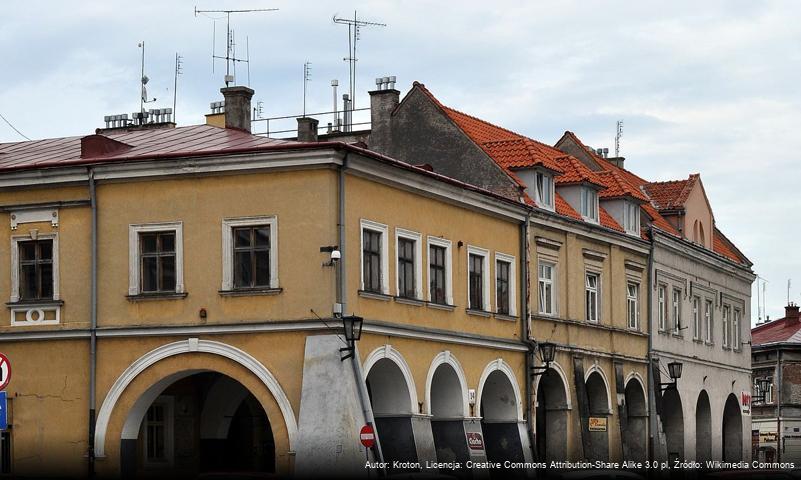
(306, 79)
(179, 63)
(618, 134)
(142, 89)
(230, 47)
(354, 24)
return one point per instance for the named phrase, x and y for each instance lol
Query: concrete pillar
(307, 129)
(237, 107)
(330, 417)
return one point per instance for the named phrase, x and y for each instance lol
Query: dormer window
(631, 218)
(544, 190)
(589, 204)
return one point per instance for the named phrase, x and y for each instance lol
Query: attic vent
(101, 146)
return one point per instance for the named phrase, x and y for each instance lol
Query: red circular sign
(367, 436)
(5, 371)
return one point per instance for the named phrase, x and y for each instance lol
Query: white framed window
(591, 293)
(662, 305)
(725, 319)
(156, 258)
(633, 304)
(159, 433)
(250, 253)
(735, 330)
(440, 268)
(34, 267)
(631, 218)
(546, 273)
(478, 288)
(589, 204)
(409, 263)
(544, 190)
(505, 284)
(696, 318)
(676, 311)
(708, 320)
(374, 257)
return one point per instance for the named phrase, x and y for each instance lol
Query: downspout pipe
(652, 390)
(525, 327)
(92, 328)
(342, 295)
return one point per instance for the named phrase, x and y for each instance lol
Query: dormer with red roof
(685, 205)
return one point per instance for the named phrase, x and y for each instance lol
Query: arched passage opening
(599, 408)
(673, 424)
(551, 411)
(635, 435)
(186, 425)
(703, 428)
(499, 409)
(391, 401)
(447, 415)
(732, 430)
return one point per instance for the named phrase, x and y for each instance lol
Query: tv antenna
(618, 134)
(178, 71)
(230, 45)
(142, 82)
(306, 79)
(354, 25)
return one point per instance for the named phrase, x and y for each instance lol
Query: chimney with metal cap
(237, 107)
(383, 101)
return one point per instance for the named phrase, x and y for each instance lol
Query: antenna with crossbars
(354, 25)
(230, 45)
(618, 134)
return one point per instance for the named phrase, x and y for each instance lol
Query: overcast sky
(709, 87)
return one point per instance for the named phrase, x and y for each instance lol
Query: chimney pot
(237, 107)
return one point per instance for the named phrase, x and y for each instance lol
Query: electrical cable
(13, 127)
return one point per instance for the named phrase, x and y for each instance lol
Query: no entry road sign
(5, 371)
(367, 436)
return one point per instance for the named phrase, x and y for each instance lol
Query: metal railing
(271, 120)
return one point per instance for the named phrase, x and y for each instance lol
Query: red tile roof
(145, 143)
(576, 172)
(780, 330)
(617, 186)
(672, 194)
(520, 153)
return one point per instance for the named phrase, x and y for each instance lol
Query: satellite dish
(145, 80)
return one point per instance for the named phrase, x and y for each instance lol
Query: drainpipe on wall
(779, 433)
(92, 328)
(652, 426)
(525, 327)
(342, 295)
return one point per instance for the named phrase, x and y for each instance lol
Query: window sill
(708, 343)
(409, 301)
(143, 297)
(676, 335)
(633, 329)
(507, 318)
(246, 292)
(698, 340)
(441, 306)
(375, 295)
(479, 313)
(35, 303)
(724, 347)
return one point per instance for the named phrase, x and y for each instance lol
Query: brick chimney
(617, 161)
(383, 101)
(307, 129)
(791, 315)
(237, 107)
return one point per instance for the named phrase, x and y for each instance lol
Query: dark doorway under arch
(195, 427)
(732, 430)
(447, 416)
(703, 428)
(599, 407)
(673, 424)
(636, 434)
(551, 417)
